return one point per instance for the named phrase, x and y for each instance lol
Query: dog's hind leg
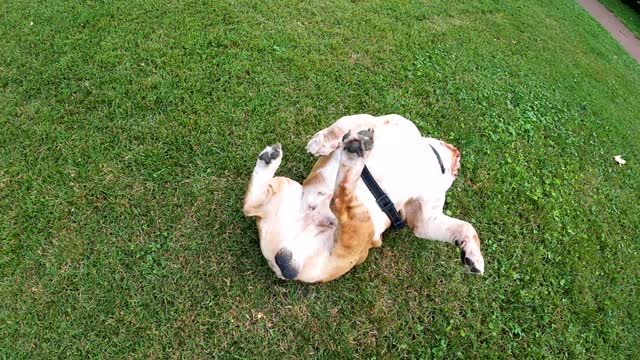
(258, 191)
(434, 225)
(354, 230)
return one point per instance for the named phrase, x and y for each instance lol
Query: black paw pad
(366, 133)
(346, 136)
(270, 154)
(363, 141)
(284, 260)
(366, 136)
(265, 157)
(355, 147)
(469, 262)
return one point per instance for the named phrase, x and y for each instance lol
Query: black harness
(382, 199)
(439, 158)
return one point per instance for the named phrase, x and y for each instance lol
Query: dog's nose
(284, 260)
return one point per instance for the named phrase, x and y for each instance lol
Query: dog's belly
(404, 166)
(298, 235)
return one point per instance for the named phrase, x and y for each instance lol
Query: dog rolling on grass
(317, 231)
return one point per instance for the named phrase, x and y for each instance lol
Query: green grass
(629, 16)
(130, 129)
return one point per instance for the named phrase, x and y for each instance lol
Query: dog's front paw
(321, 144)
(471, 257)
(358, 144)
(271, 155)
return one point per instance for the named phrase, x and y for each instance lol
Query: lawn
(130, 129)
(629, 16)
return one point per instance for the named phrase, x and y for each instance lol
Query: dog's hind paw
(320, 145)
(471, 258)
(358, 144)
(271, 154)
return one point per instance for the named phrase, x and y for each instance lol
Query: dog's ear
(252, 209)
(455, 158)
(255, 205)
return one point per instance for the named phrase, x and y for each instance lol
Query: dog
(318, 231)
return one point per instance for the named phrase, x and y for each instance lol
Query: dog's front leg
(355, 227)
(258, 191)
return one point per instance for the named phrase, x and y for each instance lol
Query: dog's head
(293, 226)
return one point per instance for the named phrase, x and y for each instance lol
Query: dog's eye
(327, 222)
(312, 207)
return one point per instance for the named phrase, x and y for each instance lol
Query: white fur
(404, 165)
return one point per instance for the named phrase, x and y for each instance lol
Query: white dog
(319, 230)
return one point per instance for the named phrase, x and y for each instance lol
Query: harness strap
(439, 158)
(383, 201)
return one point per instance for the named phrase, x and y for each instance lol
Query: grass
(129, 130)
(629, 16)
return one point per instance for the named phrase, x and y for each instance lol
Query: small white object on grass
(619, 159)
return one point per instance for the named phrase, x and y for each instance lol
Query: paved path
(614, 26)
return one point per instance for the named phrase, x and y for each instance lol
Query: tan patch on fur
(363, 257)
(274, 186)
(375, 243)
(412, 212)
(354, 232)
(315, 176)
(476, 239)
(333, 134)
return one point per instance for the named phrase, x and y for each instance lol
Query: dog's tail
(284, 260)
